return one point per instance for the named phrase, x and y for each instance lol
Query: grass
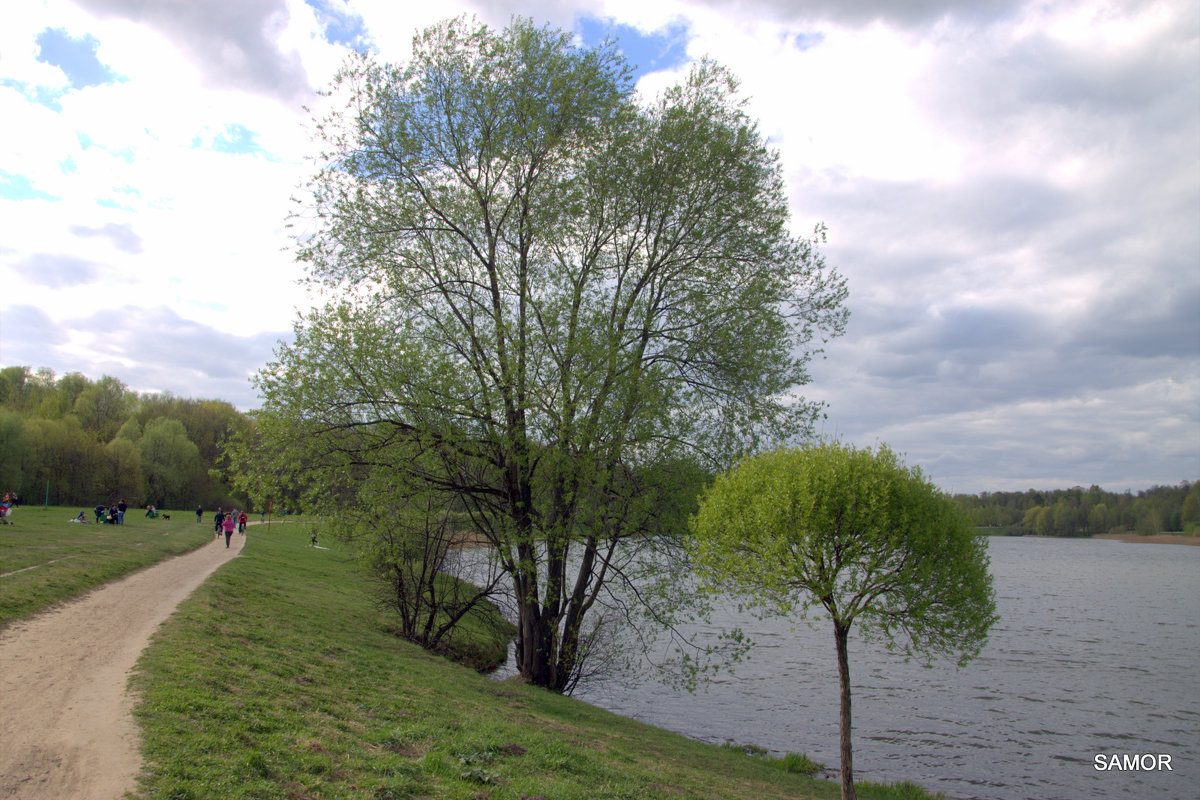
(44, 559)
(278, 679)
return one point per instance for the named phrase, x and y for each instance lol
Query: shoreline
(1157, 538)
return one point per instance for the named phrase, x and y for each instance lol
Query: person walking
(199, 512)
(122, 507)
(228, 524)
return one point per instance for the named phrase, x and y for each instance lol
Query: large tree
(548, 287)
(170, 462)
(859, 534)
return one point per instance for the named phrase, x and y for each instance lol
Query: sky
(1011, 189)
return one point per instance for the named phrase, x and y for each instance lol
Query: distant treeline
(98, 442)
(77, 442)
(1087, 512)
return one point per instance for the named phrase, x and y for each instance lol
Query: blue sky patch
(342, 26)
(662, 49)
(803, 41)
(42, 95)
(75, 57)
(18, 187)
(236, 139)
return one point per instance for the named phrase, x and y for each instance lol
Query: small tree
(413, 542)
(857, 532)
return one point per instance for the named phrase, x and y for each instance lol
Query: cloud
(122, 237)
(902, 13)
(151, 348)
(234, 42)
(25, 333)
(58, 271)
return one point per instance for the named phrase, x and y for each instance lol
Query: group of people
(112, 514)
(225, 522)
(6, 508)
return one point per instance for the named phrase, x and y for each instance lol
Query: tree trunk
(841, 635)
(535, 662)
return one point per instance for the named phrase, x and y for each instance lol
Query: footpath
(66, 717)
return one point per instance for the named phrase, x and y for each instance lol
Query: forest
(1087, 512)
(72, 441)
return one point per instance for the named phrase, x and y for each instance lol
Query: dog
(166, 516)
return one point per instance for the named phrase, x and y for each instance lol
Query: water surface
(1097, 651)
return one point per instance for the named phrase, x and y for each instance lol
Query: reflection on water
(1097, 651)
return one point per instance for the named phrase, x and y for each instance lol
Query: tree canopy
(862, 536)
(75, 441)
(546, 287)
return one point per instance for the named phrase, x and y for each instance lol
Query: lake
(1097, 651)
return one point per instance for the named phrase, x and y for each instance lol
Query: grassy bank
(278, 679)
(46, 559)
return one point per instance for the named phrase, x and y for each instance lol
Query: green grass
(278, 679)
(45, 559)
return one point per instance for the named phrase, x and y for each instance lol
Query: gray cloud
(57, 271)
(150, 349)
(122, 237)
(180, 355)
(232, 40)
(27, 336)
(903, 13)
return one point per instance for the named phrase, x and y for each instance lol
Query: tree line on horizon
(1087, 512)
(72, 441)
(99, 441)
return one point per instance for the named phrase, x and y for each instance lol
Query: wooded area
(1087, 512)
(74, 441)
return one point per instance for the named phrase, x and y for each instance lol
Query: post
(46, 504)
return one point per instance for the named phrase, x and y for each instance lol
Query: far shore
(1158, 538)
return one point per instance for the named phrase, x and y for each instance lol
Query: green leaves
(856, 531)
(553, 290)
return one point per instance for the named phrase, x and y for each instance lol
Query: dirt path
(66, 722)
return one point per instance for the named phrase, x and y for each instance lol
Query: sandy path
(66, 722)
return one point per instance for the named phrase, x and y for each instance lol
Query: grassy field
(45, 559)
(278, 679)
